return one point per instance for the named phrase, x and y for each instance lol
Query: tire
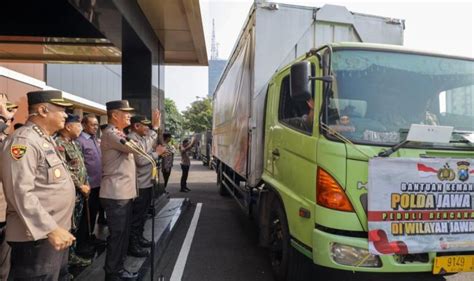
(220, 185)
(279, 244)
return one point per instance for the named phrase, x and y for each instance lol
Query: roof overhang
(58, 31)
(178, 25)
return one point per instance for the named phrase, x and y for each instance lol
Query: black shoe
(135, 250)
(187, 189)
(125, 274)
(183, 190)
(143, 242)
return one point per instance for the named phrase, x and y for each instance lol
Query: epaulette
(38, 130)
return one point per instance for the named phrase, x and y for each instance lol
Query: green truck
(302, 122)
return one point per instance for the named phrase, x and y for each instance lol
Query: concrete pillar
(136, 71)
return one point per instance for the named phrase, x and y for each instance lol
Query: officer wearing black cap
(117, 188)
(39, 191)
(140, 132)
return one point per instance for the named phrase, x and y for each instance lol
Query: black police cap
(49, 96)
(140, 119)
(118, 105)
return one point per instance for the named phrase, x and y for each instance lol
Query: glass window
(378, 95)
(294, 113)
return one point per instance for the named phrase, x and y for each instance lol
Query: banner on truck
(420, 205)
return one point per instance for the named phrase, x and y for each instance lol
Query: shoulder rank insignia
(18, 151)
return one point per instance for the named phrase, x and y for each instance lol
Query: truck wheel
(279, 244)
(220, 185)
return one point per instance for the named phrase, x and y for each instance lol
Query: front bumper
(323, 241)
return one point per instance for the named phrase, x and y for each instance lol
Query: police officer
(39, 191)
(72, 154)
(118, 188)
(139, 133)
(7, 110)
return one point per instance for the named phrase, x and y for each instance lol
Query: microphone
(135, 148)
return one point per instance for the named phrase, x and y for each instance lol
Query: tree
(174, 119)
(198, 116)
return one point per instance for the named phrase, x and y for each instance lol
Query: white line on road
(184, 252)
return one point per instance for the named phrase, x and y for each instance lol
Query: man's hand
(60, 238)
(3, 107)
(156, 119)
(160, 149)
(85, 190)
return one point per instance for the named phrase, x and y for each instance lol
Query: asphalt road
(224, 246)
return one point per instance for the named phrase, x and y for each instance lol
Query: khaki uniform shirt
(118, 167)
(144, 167)
(3, 202)
(39, 190)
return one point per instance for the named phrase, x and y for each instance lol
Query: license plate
(451, 264)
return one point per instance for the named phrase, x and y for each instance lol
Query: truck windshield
(378, 95)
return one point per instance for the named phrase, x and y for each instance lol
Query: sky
(440, 26)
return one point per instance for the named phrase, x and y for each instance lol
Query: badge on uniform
(57, 173)
(17, 151)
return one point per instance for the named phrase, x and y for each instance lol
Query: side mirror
(300, 81)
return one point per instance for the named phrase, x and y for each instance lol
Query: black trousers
(82, 234)
(166, 176)
(139, 209)
(38, 261)
(119, 213)
(184, 176)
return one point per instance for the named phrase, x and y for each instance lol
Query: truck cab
(327, 116)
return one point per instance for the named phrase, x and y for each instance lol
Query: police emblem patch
(17, 151)
(463, 170)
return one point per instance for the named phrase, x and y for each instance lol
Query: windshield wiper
(390, 151)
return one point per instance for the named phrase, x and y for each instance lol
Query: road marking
(184, 252)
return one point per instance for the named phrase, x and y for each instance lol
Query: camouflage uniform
(72, 155)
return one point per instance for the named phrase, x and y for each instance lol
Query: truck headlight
(354, 256)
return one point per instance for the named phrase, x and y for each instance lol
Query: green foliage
(174, 119)
(198, 116)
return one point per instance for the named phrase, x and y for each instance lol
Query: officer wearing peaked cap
(41, 200)
(118, 188)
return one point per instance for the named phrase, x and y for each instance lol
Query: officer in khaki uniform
(140, 133)
(118, 188)
(39, 191)
(7, 111)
